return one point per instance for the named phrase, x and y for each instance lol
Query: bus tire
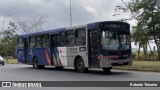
(35, 64)
(59, 67)
(41, 66)
(80, 66)
(3, 64)
(108, 69)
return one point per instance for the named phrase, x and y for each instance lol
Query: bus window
(39, 41)
(62, 39)
(70, 38)
(46, 40)
(80, 37)
(55, 41)
(20, 43)
(32, 42)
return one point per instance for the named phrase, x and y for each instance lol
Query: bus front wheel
(108, 69)
(80, 67)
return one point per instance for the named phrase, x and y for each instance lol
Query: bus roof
(43, 32)
(89, 26)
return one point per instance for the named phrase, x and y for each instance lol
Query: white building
(151, 43)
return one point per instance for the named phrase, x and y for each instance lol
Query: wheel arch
(76, 58)
(83, 58)
(33, 58)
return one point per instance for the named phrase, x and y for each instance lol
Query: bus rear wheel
(80, 67)
(35, 64)
(108, 69)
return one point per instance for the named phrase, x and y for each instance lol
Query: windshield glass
(115, 41)
(1, 57)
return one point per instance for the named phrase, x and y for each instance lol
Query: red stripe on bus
(47, 57)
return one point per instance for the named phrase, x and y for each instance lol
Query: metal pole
(70, 13)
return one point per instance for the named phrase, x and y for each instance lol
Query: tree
(140, 37)
(8, 41)
(149, 18)
(30, 25)
(147, 15)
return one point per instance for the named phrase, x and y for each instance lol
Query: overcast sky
(57, 11)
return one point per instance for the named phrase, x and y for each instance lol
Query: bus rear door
(54, 50)
(93, 48)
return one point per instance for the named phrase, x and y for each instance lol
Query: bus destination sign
(113, 26)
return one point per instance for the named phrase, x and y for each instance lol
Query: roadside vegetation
(142, 66)
(11, 61)
(146, 14)
(149, 56)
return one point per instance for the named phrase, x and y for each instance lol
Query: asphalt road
(20, 72)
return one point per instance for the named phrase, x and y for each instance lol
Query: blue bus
(94, 45)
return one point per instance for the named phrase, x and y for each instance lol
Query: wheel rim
(35, 63)
(80, 64)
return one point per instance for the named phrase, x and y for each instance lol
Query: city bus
(95, 45)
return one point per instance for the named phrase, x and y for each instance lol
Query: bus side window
(70, 38)
(46, 40)
(39, 41)
(62, 39)
(81, 37)
(55, 41)
(32, 42)
(20, 42)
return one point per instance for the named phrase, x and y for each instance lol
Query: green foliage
(142, 66)
(149, 19)
(139, 36)
(8, 41)
(134, 55)
(151, 56)
(147, 16)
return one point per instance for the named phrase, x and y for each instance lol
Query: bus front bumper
(1, 62)
(110, 63)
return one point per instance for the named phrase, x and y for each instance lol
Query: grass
(142, 66)
(11, 61)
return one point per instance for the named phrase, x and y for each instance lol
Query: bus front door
(93, 48)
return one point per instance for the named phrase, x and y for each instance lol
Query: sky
(58, 11)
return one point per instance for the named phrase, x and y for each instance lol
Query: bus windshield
(115, 40)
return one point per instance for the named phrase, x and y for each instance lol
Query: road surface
(20, 72)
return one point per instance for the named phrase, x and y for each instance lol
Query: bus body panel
(56, 58)
(41, 54)
(20, 53)
(67, 55)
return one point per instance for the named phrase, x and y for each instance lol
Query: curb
(146, 70)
